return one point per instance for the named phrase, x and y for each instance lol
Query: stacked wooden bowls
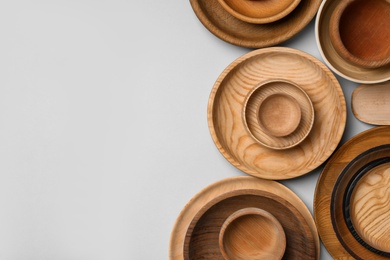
(351, 203)
(354, 38)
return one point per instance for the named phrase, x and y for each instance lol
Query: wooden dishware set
(278, 113)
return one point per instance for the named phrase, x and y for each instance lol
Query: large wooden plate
(230, 29)
(322, 200)
(229, 194)
(226, 105)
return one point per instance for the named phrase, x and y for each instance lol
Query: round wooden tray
(226, 104)
(217, 201)
(359, 144)
(331, 57)
(230, 29)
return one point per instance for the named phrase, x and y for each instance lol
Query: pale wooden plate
(338, 64)
(371, 103)
(257, 192)
(322, 198)
(226, 104)
(230, 29)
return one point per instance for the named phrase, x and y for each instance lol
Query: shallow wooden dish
(332, 58)
(357, 145)
(371, 103)
(227, 102)
(359, 32)
(359, 213)
(252, 234)
(196, 231)
(278, 114)
(258, 11)
(235, 31)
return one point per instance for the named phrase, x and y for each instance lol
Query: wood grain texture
(359, 31)
(226, 104)
(259, 11)
(252, 234)
(338, 64)
(235, 31)
(370, 208)
(371, 103)
(326, 182)
(199, 223)
(252, 111)
(341, 203)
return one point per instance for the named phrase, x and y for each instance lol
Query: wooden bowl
(259, 11)
(233, 108)
(252, 234)
(359, 205)
(197, 229)
(359, 31)
(328, 212)
(278, 114)
(235, 31)
(337, 62)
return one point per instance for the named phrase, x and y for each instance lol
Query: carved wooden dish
(229, 124)
(332, 202)
(338, 63)
(235, 31)
(359, 205)
(359, 31)
(196, 234)
(252, 234)
(259, 11)
(371, 103)
(278, 114)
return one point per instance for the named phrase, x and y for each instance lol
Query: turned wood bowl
(259, 11)
(360, 210)
(252, 234)
(278, 114)
(359, 31)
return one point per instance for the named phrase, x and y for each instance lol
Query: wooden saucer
(259, 11)
(359, 31)
(334, 231)
(227, 121)
(371, 103)
(337, 63)
(235, 31)
(278, 114)
(196, 232)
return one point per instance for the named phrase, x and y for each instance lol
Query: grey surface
(103, 128)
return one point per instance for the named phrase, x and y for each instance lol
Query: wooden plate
(371, 103)
(226, 104)
(322, 199)
(337, 63)
(361, 225)
(200, 221)
(230, 29)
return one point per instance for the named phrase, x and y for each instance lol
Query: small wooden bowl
(359, 205)
(278, 114)
(259, 11)
(359, 31)
(252, 234)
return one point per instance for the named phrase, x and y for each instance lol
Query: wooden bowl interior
(369, 207)
(344, 206)
(252, 234)
(259, 11)
(202, 237)
(337, 62)
(359, 32)
(279, 114)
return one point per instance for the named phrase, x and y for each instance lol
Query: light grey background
(103, 128)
